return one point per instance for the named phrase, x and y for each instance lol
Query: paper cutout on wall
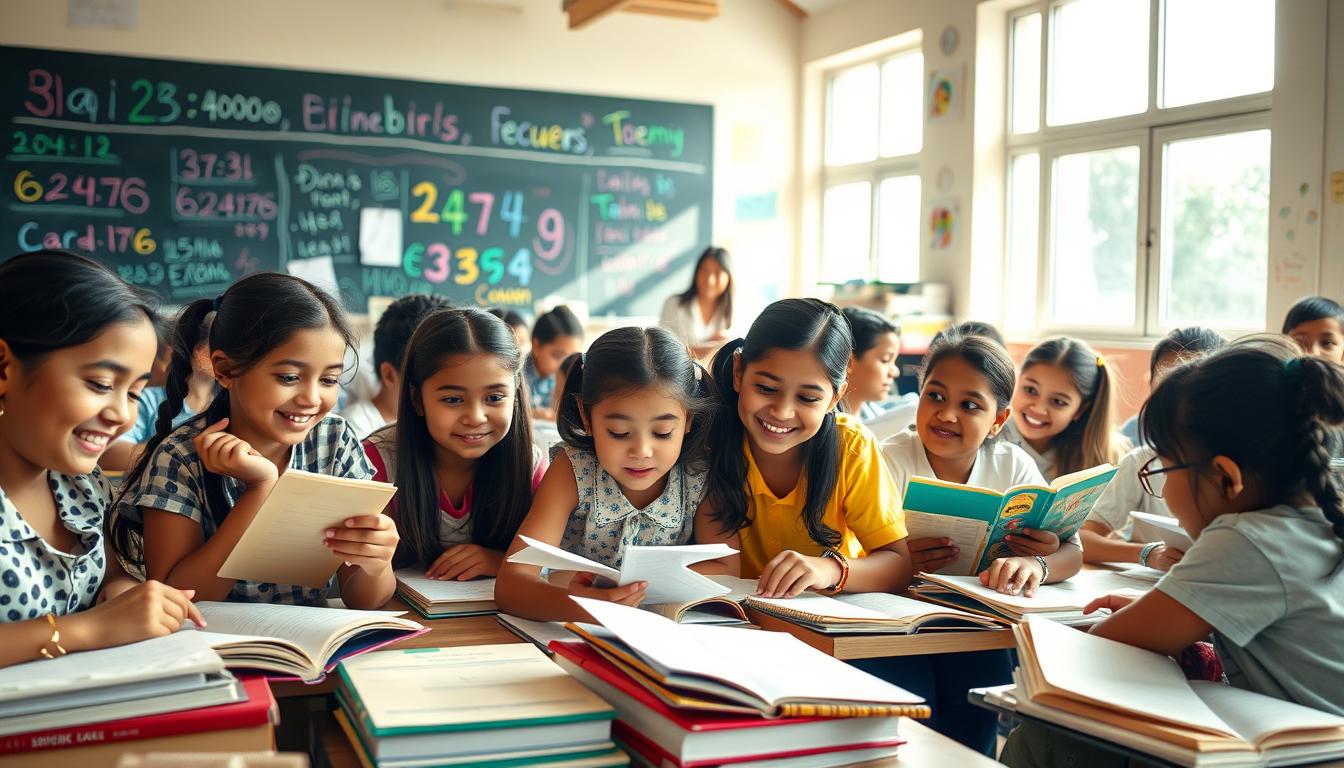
(942, 224)
(944, 94)
(760, 207)
(1337, 186)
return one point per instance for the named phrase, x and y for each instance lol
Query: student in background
(634, 416)
(1062, 411)
(980, 328)
(556, 335)
(1255, 493)
(277, 345)
(702, 314)
(1316, 324)
(460, 452)
(390, 336)
(872, 361)
(516, 322)
(819, 510)
(125, 452)
(965, 391)
(76, 346)
(1105, 535)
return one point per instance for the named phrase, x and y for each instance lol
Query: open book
(869, 612)
(664, 568)
(295, 640)
(440, 599)
(284, 543)
(1141, 699)
(741, 667)
(1063, 601)
(977, 519)
(1150, 527)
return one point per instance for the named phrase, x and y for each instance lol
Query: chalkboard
(186, 176)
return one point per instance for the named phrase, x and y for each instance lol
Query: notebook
(1062, 601)
(440, 599)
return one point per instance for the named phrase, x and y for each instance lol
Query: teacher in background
(702, 314)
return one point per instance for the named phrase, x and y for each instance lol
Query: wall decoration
(944, 94)
(942, 224)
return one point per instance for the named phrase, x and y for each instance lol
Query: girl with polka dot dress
(76, 345)
(634, 415)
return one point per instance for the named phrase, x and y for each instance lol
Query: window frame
(1149, 130)
(873, 171)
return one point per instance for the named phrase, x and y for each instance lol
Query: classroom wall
(745, 63)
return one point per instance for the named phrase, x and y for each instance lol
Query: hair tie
(695, 369)
(1101, 361)
(218, 300)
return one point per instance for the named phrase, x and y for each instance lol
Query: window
(1138, 165)
(871, 204)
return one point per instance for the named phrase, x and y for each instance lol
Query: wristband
(844, 573)
(55, 640)
(1045, 568)
(1147, 551)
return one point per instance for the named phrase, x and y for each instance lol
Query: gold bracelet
(844, 573)
(55, 640)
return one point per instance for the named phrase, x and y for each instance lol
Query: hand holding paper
(664, 568)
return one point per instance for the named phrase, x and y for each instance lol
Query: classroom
(671, 383)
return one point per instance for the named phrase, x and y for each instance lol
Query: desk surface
(923, 747)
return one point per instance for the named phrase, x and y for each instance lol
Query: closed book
(694, 738)
(443, 599)
(258, 709)
(255, 738)
(221, 688)
(646, 754)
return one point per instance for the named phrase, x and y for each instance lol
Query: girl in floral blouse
(634, 415)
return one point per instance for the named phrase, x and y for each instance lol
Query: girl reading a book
(1256, 495)
(76, 346)
(633, 417)
(965, 390)
(461, 451)
(1062, 412)
(277, 345)
(1105, 534)
(798, 488)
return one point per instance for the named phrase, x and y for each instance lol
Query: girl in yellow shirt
(807, 498)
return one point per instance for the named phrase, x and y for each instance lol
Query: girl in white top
(964, 394)
(702, 314)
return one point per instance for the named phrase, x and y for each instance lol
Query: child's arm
(886, 569)
(1101, 545)
(176, 551)
(367, 545)
(520, 590)
(708, 531)
(1023, 573)
(1156, 622)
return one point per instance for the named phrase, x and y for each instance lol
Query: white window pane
(898, 216)
(1024, 210)
(846, 221)
(902, 105)
(851, 126)
(1099, 60)
(1027, 73)
(1215, 230)
(1215, 49)
(1093, 236)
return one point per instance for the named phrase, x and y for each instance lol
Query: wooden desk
(923, 747)
(876, 646)
(443, 633)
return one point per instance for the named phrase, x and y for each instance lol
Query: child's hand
(151, 609)
(630, 594)
(1113, 602)
(1164, 557)
(1028, 542)
(367, 542)
(928, 555)
(224, 454)
(1011, 575)
(789, 573)
(465, 561)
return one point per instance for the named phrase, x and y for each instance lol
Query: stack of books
(1141, 702)
(869, 613)
(693, 695)
(439, 599)
(484, 705)
(87, 708)
(1063, 602)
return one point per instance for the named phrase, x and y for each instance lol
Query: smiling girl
(277, 345)
(76, 345)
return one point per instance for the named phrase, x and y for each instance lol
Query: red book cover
(655, 755)
(259, 708)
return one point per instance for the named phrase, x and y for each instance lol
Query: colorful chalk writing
(186, 176)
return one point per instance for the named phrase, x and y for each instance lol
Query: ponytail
(1090, 439)
(1320, 406)
(1099, 444)
(569, 413)
(726, 490)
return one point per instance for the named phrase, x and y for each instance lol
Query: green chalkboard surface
(186, 176)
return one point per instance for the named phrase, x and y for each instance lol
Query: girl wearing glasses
(1105, 535)
(1255, 493)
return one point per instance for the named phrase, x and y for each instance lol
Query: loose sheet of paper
(380, 237)
(966, 533)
